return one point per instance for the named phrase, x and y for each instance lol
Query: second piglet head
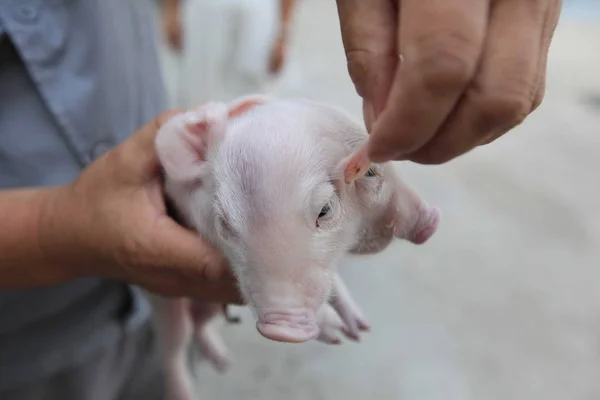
(389, 208)
(266, 181)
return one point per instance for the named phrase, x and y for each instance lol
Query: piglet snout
(292, 326)
(426, 226)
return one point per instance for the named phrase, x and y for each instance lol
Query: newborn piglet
(284, 189)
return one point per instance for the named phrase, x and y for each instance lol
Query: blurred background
(504, 301)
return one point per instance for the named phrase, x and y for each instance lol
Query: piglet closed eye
(285, 190)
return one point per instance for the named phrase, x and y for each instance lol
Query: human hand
(279, 49)
(171, 24)
(113, 223)
(469, 71)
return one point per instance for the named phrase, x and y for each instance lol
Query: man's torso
(77, 77)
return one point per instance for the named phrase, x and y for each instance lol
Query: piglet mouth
(295, 326)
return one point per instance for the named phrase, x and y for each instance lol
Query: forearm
(23, 259)
(171, 4)
(287, 10)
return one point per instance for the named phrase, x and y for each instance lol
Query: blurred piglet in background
(284, 188)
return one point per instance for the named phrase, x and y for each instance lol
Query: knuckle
(366, 66)
(431, 157)
(438, 154)
(505, 97)
(503, 110)
(128, 254)
(446, 60)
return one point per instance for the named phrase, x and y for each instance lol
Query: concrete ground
(504, 301)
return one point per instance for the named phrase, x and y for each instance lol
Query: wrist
(60, 237)
(24, 259)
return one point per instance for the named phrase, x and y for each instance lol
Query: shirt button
(99, 148)
(25, 11)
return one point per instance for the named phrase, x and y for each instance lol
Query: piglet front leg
(348, 310)
(175, 331)
(330, 325)
(208, 337)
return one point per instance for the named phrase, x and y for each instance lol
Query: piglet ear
(183, 143)
(243, 104)
(355, 165)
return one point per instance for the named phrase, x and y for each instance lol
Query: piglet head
(255, 178)
(285, 189)
(388, 206)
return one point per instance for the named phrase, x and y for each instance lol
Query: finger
(441, 42)
(175, 288)
(368, 114)
(547, 34)
(180, 251)
(503, 91)
(139, 153)
(369, 36)
(551, 21)
(148, 132)
(218, 293)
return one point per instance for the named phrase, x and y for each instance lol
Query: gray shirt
(76, 78)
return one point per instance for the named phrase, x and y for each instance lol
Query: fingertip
(164, 116)
(146, 135)
(231, 295)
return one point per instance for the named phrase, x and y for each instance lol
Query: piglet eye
(371, 173)
(325, 210)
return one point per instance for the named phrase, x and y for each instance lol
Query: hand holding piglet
(113, 223)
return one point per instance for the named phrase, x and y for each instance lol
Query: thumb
(186, 253)
(369, 34)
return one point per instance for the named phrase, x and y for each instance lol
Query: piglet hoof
(229, 318)
(354, 324)
(213, 348)
(349, 312)
(358, 325)
(330, 324)
(221, 363)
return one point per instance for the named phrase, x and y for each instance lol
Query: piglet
(285, 190)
